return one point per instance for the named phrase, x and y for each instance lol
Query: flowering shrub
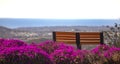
(113, 55)
(11, 43)
(6, 43)
(24, 55)
(51, 46)
(110, 54)
(18, 52)
(66, 56)
(100, 49)
(1, 40)
(91, 58)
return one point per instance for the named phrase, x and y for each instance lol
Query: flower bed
(18, 52)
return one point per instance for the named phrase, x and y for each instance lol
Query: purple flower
(18, 52)
(111, 52)
(100, 49)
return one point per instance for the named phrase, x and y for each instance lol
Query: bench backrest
(78, 38)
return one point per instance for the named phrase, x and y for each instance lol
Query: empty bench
(79, 38)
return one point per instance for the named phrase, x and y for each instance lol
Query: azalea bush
(62, 56)
(14, 51)
(51, 46)
(17, 52)
(100, 49)
(24, 55)
(12, 43)
(113, 55)
(110, 54)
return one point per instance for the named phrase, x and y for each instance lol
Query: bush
(18, 52)
(51, 46)
(91, 58)
(113, 55)
(100, 49)
(24, 55)
(65, 56)
(11, 43)
(113, 35)
(107, 54)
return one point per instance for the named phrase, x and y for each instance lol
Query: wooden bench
(79, 38)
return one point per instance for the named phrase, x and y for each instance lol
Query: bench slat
(89, 36)
(89, 33)
(65, 38)
(87, 43)
(66, 33)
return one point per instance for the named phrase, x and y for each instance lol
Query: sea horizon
(36, 22)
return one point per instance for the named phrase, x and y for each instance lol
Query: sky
(30, 13)
(60, 9)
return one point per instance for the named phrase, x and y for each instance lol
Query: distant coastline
(30, 22)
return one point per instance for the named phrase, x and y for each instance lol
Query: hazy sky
(60, 9)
